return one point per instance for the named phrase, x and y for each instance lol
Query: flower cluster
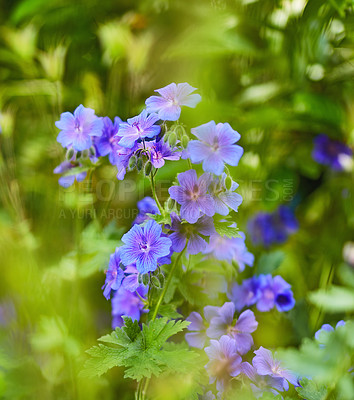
(265, 291)
(195, 220)
(268, 228)
(229, 340)
(333, 153)
(267, 374)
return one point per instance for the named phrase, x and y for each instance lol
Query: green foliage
(310, 390)
(335, 299)
(224, 228)
(141, 352)
(268, 262)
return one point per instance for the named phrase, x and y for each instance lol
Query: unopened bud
(170, 204)
(185, 141)
(139, 164)
(180, 131)
(70, 154)
(92, 151)
(156, 282)
(172, 139)
(161, 278)
(85, 154)
(147, 168)
(145, 279)
(132, 163)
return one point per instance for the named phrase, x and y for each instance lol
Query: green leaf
(140, 351)
(335, 299)
(223, 228)
(103, 359)
(268, 262)
(310, 390)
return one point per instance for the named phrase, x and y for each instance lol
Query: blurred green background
(280, 72)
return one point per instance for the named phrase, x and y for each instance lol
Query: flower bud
(170, 204)
(180, 131)
(185, 141)
(132, 163)
(85, 154)
(145, 278)
(70, 154)
(92, 151)
(161, 278)
(139, 164)
(156, 282)
(228, 182)
(172, 139)
(147, 168)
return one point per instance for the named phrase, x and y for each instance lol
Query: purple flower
(127, 304)
(191, 232)
(120, 158)
(144, 246)
(139, 127)
(109, 139)
(216, 146)
(160, 151)
(114, 275)
(246, 294)
(224, 362)
(223, 324)
(192, 196)
(269, 228)
(78, 129)
(261, 383)
(173, 96)
(146, 206)
(319, 335)
(266, 364)
(223, 198)
(197, 336)
(275, 292)
(230, 249)
(329, 152)
(67, 180)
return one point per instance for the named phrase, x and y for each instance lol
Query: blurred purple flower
(216, 146)
(139, 127)
(106, 143)
(173, 96)
(230, 249)
(197, 336)
(319, 335)
(191, 232)
(68, 180)
(78, 129)
(274, 292)
(146, 206)
(266, 364)
(328, 152)
(224, 362)
(269, 228)
(120, 157)
(192, 196)
(127, 304)
(223, 324)
(261, 383)
(114, 275)
(144, 246)
(247, 294)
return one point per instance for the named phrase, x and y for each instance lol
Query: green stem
(168, 282)
(154, 195)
